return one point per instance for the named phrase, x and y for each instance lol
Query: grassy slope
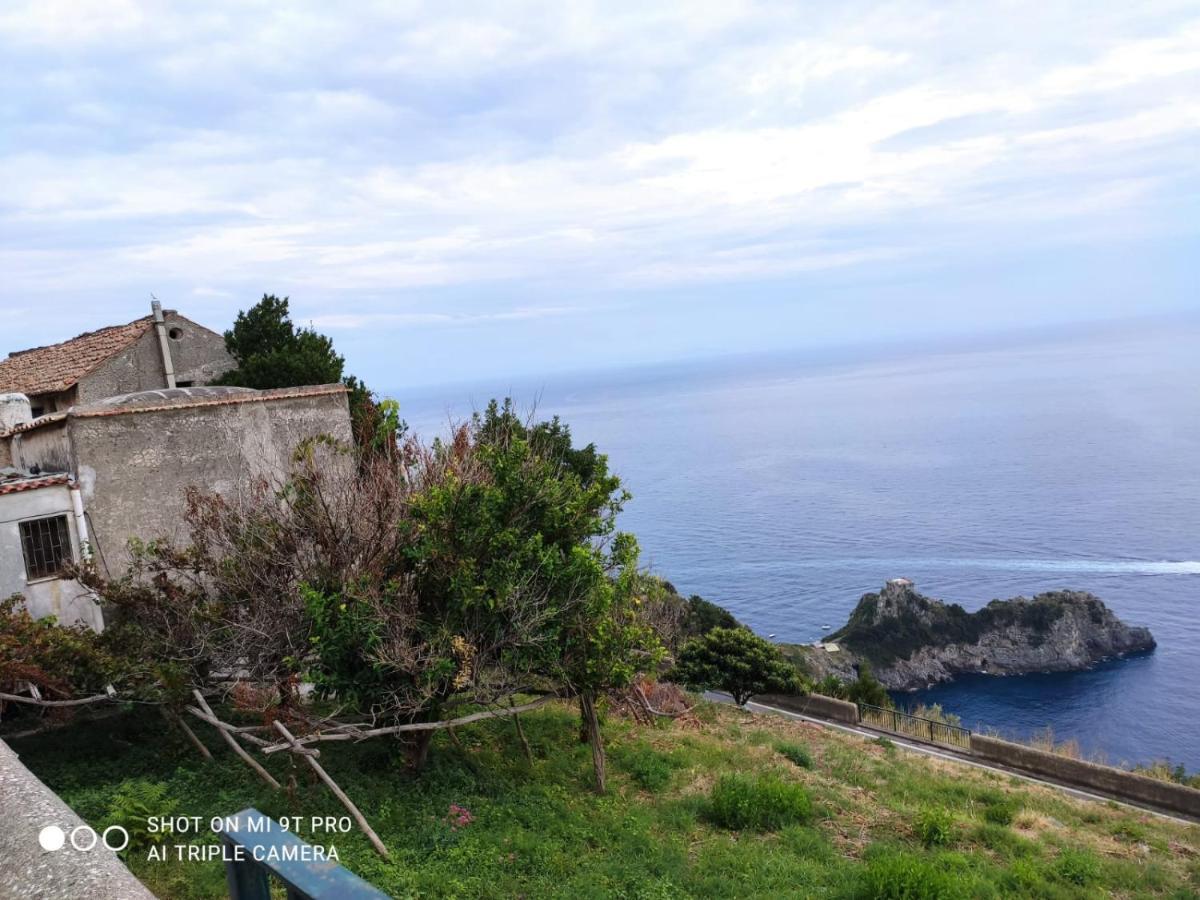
(540, 832)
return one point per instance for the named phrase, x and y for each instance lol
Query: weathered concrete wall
(27, 871)
(1105, 779)
(134, 466)
(197, 354)
(814, 705)
(65, 599)
(45, 446)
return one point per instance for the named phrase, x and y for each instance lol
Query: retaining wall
(1106, 779)
(814, 705)
(28, 871)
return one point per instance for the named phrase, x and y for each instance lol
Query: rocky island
(912, 641)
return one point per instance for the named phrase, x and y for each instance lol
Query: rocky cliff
(912, 641)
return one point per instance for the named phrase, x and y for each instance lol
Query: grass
(848, 825)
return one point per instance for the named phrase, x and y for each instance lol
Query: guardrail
(922, 729)
(259, 849)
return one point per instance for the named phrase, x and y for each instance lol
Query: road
(951, 756)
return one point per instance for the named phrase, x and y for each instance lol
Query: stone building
(163, 349)
(94, 471)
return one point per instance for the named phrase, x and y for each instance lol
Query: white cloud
(397, 147)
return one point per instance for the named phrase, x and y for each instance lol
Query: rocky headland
(912, 641)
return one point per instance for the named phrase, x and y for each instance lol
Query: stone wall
(28, 870)
(135, 465)
(1087, 775)
(814, 705)
(45, 446)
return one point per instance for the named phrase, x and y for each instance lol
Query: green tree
(271, 352)
(737, 661)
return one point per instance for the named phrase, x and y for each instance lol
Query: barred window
(47, 546)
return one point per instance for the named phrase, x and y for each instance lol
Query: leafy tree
(703, 616)
(271, 352)
(737, 661)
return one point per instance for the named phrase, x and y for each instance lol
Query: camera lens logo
(83, 838)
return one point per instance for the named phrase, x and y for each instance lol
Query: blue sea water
(784, 488)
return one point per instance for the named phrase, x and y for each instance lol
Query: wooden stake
(337, 791)
(173, 717)
(516, 717)
(236, 747)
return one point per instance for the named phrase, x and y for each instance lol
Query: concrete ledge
(1106, 779)
(814, 705)
(31, 873)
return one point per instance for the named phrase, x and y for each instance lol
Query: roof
(12, 481)
(46, 370)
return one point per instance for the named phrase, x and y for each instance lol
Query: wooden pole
(217, 723)
(337, 791)
(411, 726)
(516, 717)
(236, 747)
(173, 717)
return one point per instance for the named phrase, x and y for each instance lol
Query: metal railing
(922, 729)
(257, 849)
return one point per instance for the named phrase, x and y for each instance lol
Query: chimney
(161, 327)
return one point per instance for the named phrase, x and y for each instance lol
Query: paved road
(951, 756)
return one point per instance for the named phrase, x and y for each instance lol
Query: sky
(455, 191)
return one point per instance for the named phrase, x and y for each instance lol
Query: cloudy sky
(460, 190)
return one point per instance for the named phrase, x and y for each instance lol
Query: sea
(783, 487)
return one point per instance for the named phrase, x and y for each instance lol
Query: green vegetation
(935, 826)
(762, 802)
(737, 661)
(271, 352)
(535, 830)
(796, 753)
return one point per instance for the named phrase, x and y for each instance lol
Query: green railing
(901, 723)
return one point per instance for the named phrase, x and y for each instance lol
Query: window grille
(47, 546)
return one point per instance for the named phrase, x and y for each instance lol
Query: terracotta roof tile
(30, 482)
(44, 370)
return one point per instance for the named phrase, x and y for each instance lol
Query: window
(184, 383)
(175, 334)
(47, 546)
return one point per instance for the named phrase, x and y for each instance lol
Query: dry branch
(411, 726)
(337, 791)
(236, 747)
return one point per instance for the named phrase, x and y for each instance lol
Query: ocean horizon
(785, 487)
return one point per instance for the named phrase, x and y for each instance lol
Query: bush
(1001, 812)
(796, 753)
(762, 803)
(905, 876)
(935, 826)
(1077, 867)
(645, 765)
(134, 803)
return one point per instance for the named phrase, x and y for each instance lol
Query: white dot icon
(52, 838)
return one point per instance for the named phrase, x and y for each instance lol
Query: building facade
(109, 434)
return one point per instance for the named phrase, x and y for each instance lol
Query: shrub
(762, 803)
(796, 753)
(1001, 812)
(133, 804)
(1077, 867)
(650, 769)
(934, 826)
(905, 876)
